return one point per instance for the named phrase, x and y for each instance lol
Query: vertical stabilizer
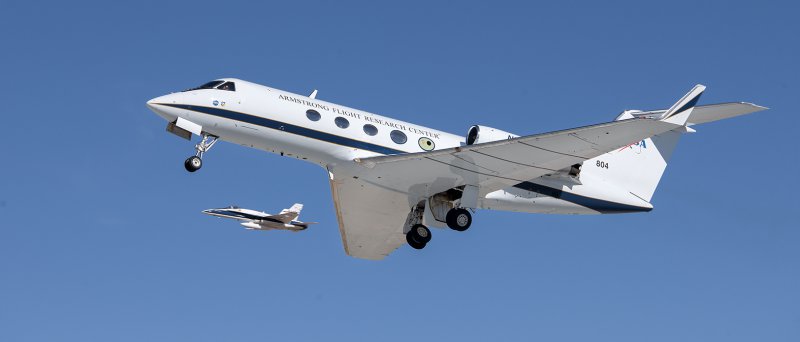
(292, 213)
(638, 167)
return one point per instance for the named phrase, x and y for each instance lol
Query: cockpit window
(227, 86)
(209, 85)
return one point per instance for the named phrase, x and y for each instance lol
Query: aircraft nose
(152, 104)
(159, 106)
(157, 100)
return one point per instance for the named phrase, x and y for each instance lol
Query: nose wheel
(195, 162)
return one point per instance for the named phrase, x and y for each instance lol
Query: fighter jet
(259, 220)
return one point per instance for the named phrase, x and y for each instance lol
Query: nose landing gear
(195, 162)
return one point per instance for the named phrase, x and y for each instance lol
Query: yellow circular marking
(426, 144)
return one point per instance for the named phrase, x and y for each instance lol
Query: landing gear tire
(418, 236)
(459, 219)
(421, 233)
(193, 163)
(413, 243)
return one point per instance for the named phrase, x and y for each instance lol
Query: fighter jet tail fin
(287, 215)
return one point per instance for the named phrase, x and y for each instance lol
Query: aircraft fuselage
(327, 134)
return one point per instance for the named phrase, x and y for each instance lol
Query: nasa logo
(636, 147)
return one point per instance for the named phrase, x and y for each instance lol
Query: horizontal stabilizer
(709, 113)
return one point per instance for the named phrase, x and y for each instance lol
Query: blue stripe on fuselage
(289, 128)
(237, 214)
(603, 206)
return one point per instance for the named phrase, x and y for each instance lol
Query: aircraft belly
(272, 140)
(556, 196)
(270, 225)
(517, 200)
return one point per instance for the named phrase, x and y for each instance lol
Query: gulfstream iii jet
(391, 180)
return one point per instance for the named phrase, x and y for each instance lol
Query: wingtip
(758, 107)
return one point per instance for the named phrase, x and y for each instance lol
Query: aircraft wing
(496, 165)
(285, 217)
(371, 218)
(288, 215)
(374, 196)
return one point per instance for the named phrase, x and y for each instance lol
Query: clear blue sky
(102, 239)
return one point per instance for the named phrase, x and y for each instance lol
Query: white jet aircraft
(391, 180)
(288, 219)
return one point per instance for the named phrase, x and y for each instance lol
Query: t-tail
(638, 167)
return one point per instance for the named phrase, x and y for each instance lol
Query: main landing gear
(195, 162)
(458, 219)
(418, 236)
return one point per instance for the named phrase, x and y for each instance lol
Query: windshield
(219, 85)
(209, 85)
(230, 86)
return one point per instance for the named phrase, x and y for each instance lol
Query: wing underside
(370, 217)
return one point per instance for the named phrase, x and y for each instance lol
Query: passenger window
(398, 137)
(313, 115)
(341, 122)
(230, 86)
(370, 129)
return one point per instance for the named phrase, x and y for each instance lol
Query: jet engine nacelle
(480, 134)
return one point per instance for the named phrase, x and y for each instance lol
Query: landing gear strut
(195, 162)
(459, 219)
(418, 236)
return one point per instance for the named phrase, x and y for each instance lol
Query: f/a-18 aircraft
(391, 180)
(288, 219)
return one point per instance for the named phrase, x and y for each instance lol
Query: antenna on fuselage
(313, 94)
